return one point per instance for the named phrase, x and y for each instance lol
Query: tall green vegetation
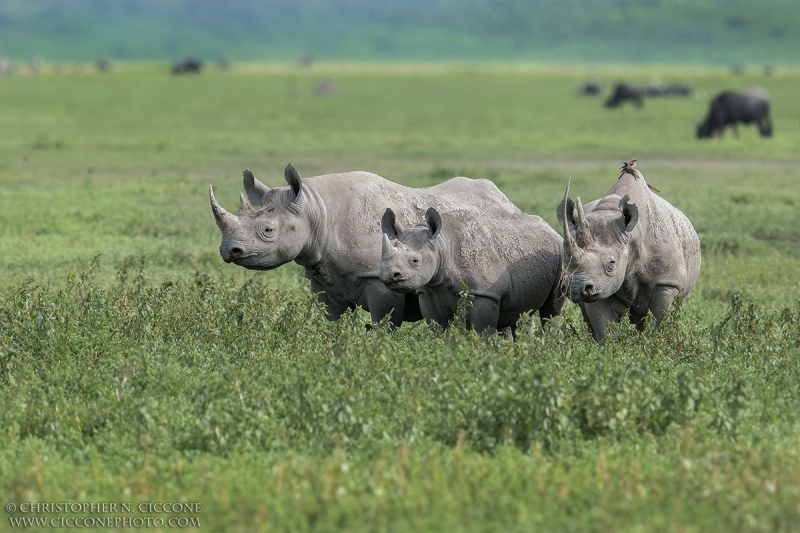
(195, 388)
(135, 366)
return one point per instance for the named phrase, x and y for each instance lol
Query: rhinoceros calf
(511, 264)
(331, 225)
(628, 251)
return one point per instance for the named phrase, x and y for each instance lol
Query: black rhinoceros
(628, 251)
(331, 226)
(510, 263)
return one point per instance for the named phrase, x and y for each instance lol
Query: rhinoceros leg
(334, 308)
(381, 302)
(509, 333)
(484, 314)
(411, 311)
(599, 314)
(662, 299)
(441, 313)
(553, 305)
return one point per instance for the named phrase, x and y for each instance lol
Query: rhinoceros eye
(415, 262)
(267, 231)
(610, 265)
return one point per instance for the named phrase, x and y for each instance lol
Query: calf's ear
(293, 179)
(255, 189)
(630, 214)
(389, 224)
(434, 220)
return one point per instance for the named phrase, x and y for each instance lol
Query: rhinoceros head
(274, 234)
(596, 258)
(409, 259)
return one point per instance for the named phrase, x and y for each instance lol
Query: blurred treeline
(654, 31)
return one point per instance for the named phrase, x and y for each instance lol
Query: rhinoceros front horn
(388, 249)
(571, 248)
(226, 222)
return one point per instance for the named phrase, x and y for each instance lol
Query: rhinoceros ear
(570, 213)
(255, 189)
(434, 220)
(389, 224)
(293, 179)
(630, 214)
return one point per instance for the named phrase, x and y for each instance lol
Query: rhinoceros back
(355, 201)
(668, 226)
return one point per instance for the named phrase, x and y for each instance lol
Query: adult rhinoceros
(331, 226)
(511, 264)
(628, 251)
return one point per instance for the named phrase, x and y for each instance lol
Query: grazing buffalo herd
(728, 108)
(411, 254)
(187, 66)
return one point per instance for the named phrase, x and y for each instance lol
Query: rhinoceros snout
(230, 255)
(578, 292)
(388, 276)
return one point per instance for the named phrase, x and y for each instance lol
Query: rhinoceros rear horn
(226, 222)
(582, 233)
(255, 189)
(244, 205)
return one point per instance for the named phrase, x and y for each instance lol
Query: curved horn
(387, 249)
(571, 248)
(225, 221)
(584, 236)
(244, 206)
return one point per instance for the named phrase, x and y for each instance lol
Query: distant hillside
(664, 31)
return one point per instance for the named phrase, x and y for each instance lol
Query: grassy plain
(158, 373)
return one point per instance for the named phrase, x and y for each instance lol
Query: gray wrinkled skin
(331, 225)
(628, 251)
(511, 263)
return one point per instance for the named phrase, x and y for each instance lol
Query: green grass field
(135, 366)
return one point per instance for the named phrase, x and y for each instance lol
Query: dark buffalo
(623, 93)
(729, 108)
(590, 88)
(103, 64)
(187, 66)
